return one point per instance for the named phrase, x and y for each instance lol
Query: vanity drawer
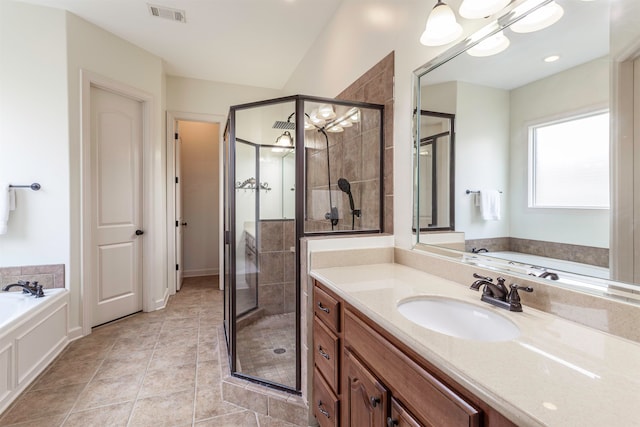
(325, 403)
(326, 308)
(326, 351)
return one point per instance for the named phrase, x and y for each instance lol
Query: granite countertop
(556, 373)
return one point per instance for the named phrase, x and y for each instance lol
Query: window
(569, 163)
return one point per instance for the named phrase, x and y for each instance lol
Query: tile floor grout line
(195, 387)
(80, 395)
(146, 370)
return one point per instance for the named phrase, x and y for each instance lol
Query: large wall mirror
(534, 191)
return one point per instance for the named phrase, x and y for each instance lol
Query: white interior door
(116, 184)
(180, 223)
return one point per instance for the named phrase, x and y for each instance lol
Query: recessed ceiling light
(552, 58)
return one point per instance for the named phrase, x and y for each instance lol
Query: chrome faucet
(497, 294)
(34, 289)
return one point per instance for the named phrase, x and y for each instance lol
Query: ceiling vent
(167, 13)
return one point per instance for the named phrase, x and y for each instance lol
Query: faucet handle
(488, 279)
(514, 298)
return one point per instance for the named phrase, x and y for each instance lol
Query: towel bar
(477, 191)
(35, 186)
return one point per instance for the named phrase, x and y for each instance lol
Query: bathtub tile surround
(157, 368)
(576, 253)
(49, 276)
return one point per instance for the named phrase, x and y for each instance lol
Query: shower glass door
(265, 292)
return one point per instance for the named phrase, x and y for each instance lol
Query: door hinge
(176, 135)
(177, 180)
(177, 267)
(176, 223)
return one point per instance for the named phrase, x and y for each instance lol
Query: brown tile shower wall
(376, 86)
(49, 276)
(277, 272)
(354, 155)
(576, 253)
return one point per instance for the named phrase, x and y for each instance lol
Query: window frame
(531, 158)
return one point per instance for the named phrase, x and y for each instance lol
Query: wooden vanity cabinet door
(400, 417)
(364, 398)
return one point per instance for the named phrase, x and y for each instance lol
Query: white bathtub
(33, 331)
(554, 264)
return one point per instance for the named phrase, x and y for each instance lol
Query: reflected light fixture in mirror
(441, 27)
(475, 9)
(539, 19)
(490, 46)
(285, 140)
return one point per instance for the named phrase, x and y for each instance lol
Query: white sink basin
(458, 319)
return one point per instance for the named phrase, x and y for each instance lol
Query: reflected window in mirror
(569, 162)
(434, 158)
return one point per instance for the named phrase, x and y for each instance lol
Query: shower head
(288, 125)
(284, 125)
(344, 185)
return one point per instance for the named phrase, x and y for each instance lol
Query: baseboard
(202, 272)
(75, 333)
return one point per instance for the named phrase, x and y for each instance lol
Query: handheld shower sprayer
(344, 185)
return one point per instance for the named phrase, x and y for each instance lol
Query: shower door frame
(300, 195)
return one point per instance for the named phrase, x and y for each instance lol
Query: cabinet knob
(139, 232)
(322, 307)
(374, 401)
(391, 422)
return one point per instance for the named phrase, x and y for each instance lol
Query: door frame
(90, 79)
(171, 119)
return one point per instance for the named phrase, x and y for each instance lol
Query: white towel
(490, 205)
(7, 204)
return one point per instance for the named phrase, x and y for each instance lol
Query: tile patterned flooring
(151, 369)
(256, 345)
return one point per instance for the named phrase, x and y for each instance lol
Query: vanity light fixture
(325, 111)
(552, 58)
(539, 19)
(285, 140)
(441, 27)
(346, 123)
(490, 46)
(315, 119)
(475, 9)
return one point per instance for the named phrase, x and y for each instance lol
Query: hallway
(150, 369)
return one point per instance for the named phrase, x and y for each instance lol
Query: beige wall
(200, 194)
(577, 90)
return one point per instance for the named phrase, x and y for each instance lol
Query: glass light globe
(441, 27)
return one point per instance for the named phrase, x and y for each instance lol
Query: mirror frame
(452, 173)
(629, 292)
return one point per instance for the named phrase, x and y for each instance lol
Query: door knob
(139, 232)
(184, 223)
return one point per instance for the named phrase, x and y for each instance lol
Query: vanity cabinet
(376, 380)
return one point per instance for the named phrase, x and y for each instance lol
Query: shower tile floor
(151, 369)
(260, 348)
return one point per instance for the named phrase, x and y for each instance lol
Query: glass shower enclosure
(293, 167)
